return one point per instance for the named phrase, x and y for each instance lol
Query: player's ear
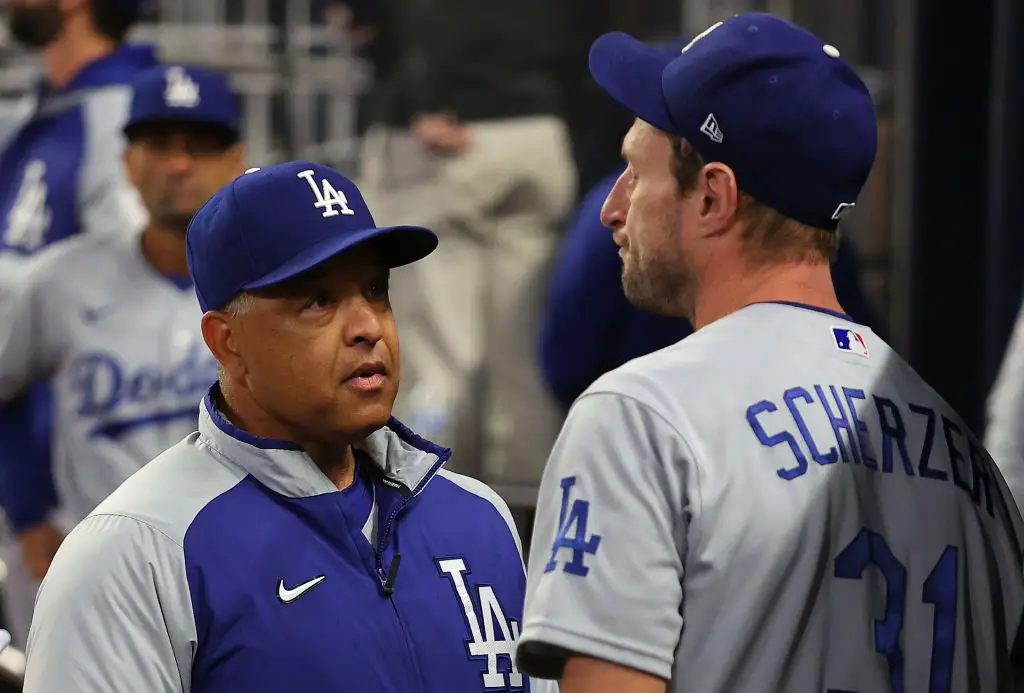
(720, 196)
(219, 332)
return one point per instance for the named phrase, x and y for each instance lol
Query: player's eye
(378, 287)
(319, 301)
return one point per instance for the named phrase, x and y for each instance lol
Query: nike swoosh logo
(288, 595)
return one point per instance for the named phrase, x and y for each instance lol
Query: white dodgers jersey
(776, 503)
(124, 349)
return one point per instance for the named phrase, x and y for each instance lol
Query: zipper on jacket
(388, 578)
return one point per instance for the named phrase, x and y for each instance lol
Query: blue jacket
(230, 563)
(579, 342)
(60, 175)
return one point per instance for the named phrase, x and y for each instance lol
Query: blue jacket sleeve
(585, 305)
(27, 493)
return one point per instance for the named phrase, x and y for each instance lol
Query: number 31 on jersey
(939, 589)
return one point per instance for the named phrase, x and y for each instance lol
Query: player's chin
(367, 408)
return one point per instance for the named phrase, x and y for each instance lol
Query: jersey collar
(404, 459)
(119, 67)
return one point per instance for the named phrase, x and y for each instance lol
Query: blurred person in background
(1004, 427)
(60, 175)
(112, 319)
(468, 137)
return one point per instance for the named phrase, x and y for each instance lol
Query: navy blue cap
(766, 97)
(274, 223)
(185, 93)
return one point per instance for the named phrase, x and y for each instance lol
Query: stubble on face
(657, 273)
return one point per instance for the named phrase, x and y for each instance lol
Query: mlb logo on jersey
(850, 341)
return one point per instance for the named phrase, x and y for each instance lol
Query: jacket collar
(404, 460)
(120, 67)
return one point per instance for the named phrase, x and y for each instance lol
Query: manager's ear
(220, 332)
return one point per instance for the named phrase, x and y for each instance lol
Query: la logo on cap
(181, 91)
(327, 196)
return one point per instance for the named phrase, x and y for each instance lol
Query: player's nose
(363, 323)
(616, 205)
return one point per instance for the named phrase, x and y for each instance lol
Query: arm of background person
(585, 303)
(1004, 430)
(31, 343)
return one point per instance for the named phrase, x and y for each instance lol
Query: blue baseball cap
(274, 223)
(762, 95)
(185, 93)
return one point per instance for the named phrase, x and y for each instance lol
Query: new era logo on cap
(850, 341)
(801, 123)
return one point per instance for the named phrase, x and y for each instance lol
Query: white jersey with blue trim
(123, 346)
(776, 503)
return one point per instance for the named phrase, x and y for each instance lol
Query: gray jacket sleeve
(113, 614)
(108, 203)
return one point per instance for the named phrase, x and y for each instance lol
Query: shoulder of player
(105, 111)
(65, 263)
(688, 366)
(169, 493)
(488, 496)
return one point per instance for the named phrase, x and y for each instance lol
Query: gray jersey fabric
(123, 347)
(776, 503)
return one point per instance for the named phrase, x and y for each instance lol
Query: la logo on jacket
(483, 641)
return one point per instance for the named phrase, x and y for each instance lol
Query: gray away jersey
(776, 503)
(124, 348)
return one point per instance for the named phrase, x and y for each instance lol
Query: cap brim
(398, 245)
(132, 128)
(630, 71)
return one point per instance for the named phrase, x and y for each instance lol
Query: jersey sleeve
(31, 329)
(107, 202)
(113, 613)
(1004, 431)
(607, 556)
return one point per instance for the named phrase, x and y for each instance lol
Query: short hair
(239, 304)
(112, 19)
(771, 236)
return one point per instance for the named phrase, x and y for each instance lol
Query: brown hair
(771, 237)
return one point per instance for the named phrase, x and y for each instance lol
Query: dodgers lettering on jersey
(124, 350)
(238, 566)
(778, 502)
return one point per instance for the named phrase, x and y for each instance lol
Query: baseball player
(302, 540)
(112, 318)
(60, 175)
(777, 502)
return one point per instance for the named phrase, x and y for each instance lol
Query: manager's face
(320, 351)
(177, 167)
